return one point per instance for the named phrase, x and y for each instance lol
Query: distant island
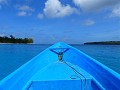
(105, 43)
(12, 39)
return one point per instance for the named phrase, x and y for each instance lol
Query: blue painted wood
(43, 68)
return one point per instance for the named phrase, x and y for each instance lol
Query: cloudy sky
(70, 21)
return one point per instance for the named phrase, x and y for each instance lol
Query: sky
(69, 21)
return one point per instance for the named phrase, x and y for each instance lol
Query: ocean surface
(12, 56)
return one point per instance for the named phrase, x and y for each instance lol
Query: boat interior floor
(60, 75)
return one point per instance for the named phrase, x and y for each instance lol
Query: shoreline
(103, 43)
(16, 43)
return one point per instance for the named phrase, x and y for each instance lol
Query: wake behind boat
(62, 67)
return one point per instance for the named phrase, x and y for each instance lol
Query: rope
(76, 72)
(29, 85)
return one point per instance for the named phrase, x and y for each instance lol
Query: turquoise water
(12, 56)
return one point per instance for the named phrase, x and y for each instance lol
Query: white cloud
(115, 12)
(22, 13)
(24, 10)
(40, 16)
(89, 22)
(54, 9)
(3, 2)
(93, 5)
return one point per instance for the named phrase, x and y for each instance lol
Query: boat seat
(60, 85)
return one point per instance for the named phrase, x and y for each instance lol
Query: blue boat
(62, 67)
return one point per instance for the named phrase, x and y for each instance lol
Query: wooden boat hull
(45, 72)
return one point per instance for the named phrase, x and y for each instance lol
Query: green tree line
(12, 39)
(105, 43)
